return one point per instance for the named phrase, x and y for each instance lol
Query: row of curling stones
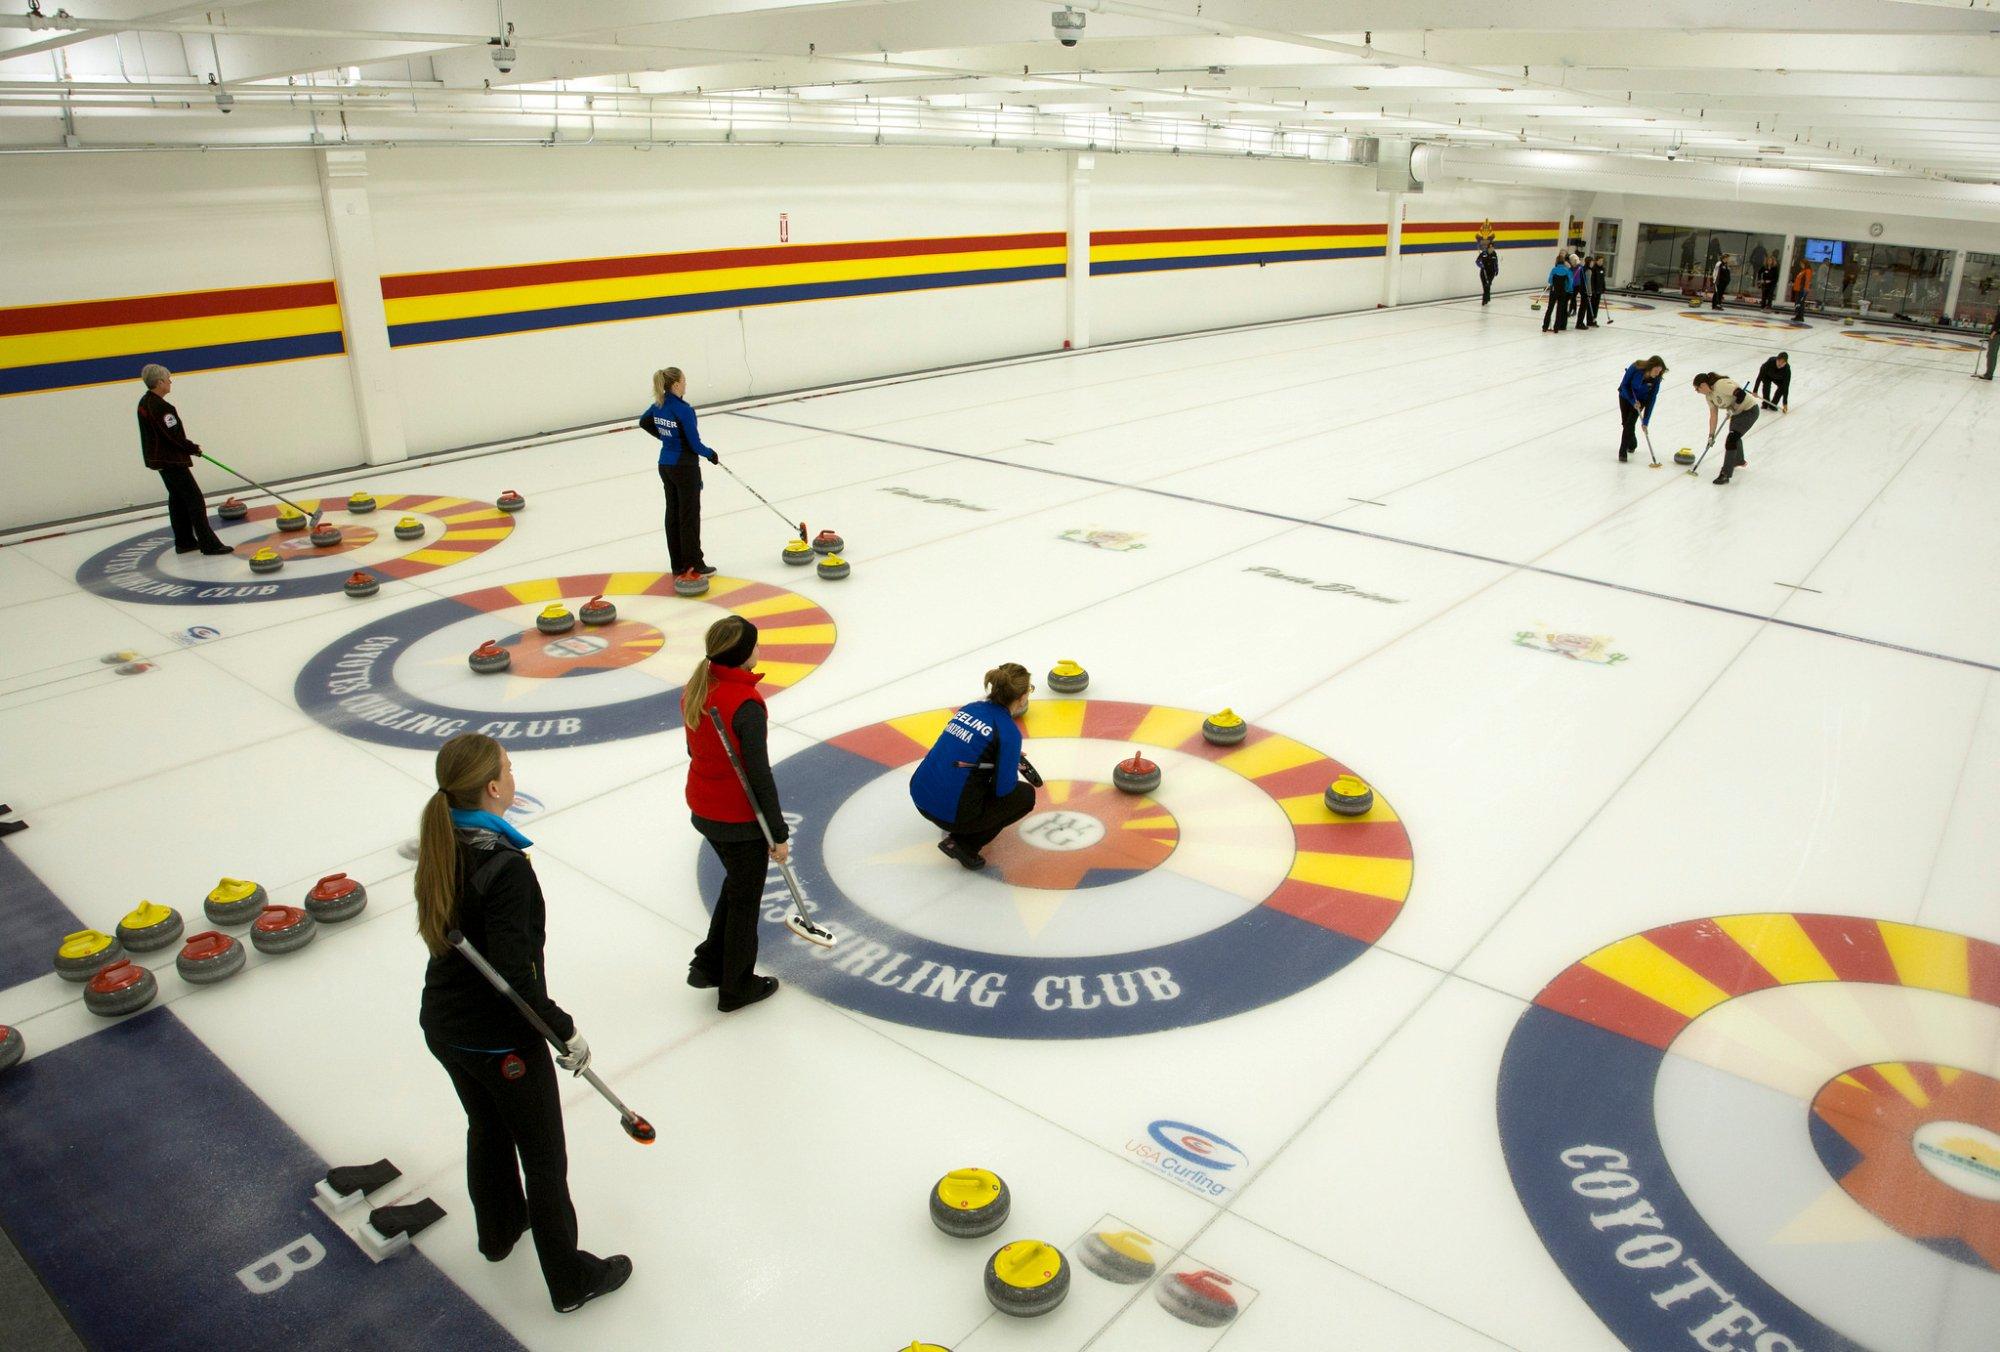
(823, 551)
(1225, 728)
(555, 618)
(1024, 1278)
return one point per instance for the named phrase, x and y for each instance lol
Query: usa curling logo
(1191, 1156)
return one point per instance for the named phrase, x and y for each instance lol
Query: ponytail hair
(1006, 683)
(465, 766)
(723, 635)
(1707, 378)
(664, 380)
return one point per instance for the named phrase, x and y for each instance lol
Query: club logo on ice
(1098, 538)
(1595, 648)
(1192, 1156)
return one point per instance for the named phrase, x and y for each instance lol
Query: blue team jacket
(980, 731)
(672, 421)
(1559, 276)
(1636, 389)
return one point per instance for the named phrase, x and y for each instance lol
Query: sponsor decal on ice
(1594, 648)
(200, 633)
(1099, 538)
(1343, 588)
(934, 501)
(1192, 1156)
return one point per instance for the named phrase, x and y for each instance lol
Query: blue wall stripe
(104, 370)
(1468, 246)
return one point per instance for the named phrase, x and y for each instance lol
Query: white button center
(1062, 831)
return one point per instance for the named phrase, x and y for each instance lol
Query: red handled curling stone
(490, 656)
(361, 584)
(597, 610)
(281, 929)
(335, 898)
(1199, 1298)
(1137, 775)
(121, 988)
(149, 926)
(690, 583)
(232, 509)
(828, 542)
(209, 957)
(325, 535)
(510, 501)
(11, 1047)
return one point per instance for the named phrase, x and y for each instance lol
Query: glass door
(1604, 243)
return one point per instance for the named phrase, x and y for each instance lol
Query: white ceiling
(1905, 86)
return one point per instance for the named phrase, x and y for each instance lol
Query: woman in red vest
(725, 682)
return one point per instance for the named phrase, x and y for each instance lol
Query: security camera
(1068, 24)
(1673, 155)
(503, 55)
(226, 101)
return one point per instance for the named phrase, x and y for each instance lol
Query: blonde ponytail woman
(473, 876)
(974, 782)
(671, 419)
(725, 681)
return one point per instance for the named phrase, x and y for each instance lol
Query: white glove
(577, 1059)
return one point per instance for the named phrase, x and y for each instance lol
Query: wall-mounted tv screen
(1826, 251)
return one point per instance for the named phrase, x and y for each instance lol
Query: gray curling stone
(11, 1047)
(121, 988)
(1137, 775)
(280, 929)
(409, 849)
(968, 1203)
(1224, 729)
(234, 901)
(325, 535)
(409, 528)
(798, 553)
(1026, 1278)
(209, 957)
(833, 568)
(690, 583)
(81, 954)
(360, 504)
(510, 501)
(289, 520)
(1068, 678)
(335, 898)
(149, 926)
(266, 560)
(232, 510)
(828, 542)
(555, 619)
(361, 584)
(1118, 1256)
(1349, 796)
(1198, 1298)
(490, 656)
(597, 610)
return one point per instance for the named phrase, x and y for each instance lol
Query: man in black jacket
(1768, 280)
(1489, 268)
(164, 443)
(1721, 282)
(1774, 382)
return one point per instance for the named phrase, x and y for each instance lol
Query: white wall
(1436, 276)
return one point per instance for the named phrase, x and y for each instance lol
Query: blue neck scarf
(488, 821)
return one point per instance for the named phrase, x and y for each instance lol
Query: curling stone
(360, 504)
(828, 542)
(11, 1047)
(335, 898)
(968, 1203)
(148, 926)
(209, 957)
(1137, 775)
(1684, 456)
(234, 901)
(409, 528)
(490, 656)
(280, 929)
(325, 535)
(833, 568)
(80, 955)
(1199, 1298)
(690, 583)
(597, 610)
(1349, 796)
(266, 560)
(1122, 1256)
(510, 501)
(121, 988)
(232, 509)
(555, 619)
(798, 553)
(918, 1346)
(1068, 678)
(361, 584)
(410, 849)
(1226, 728)
(1026, 1278)
(289, 520)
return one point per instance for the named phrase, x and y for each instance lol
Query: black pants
(1628, 440)
(187, 510)
(728, 956)
(1732, 445)
(981, 816)
(1715, 300)
(1558, 309)
(1770, 294)
(522, 1118)
(1992, 355)
(1773, 393)
(682, 483)
(1799, 313)
(1485, 288)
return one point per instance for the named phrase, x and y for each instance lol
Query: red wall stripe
(90, 314)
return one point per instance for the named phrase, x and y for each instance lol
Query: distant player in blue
(671, 419)
(1637, 394)
(1558, 306)
(970, 783)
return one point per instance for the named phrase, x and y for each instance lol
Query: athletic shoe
(217, 548)
(617, 1271)
(950, 849)
(761, 988)
(1723, 480)
(699, 979)
(706, 570)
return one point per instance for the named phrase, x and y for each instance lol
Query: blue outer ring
(94, 575)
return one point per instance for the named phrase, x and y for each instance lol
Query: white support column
(1628, 251)
(1786, 262)
(1076, 275)
(1392, 253)
(364, 325)
(1953, 287)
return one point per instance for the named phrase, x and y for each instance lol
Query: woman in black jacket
(472, 876)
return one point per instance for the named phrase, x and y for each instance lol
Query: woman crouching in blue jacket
(1637, 394)
(970, 783)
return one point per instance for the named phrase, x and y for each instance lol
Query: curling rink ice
(1655, 1004)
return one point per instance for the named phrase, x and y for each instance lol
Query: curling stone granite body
(1026, 1278)
(555, 619)
(1136, 775)
(1349, 796)
(409, 528)
(80, 955)
(833, 568)
(597, 610)
(489, 657)
(11, 1047)
(510, 501)
(1121, 1256)
(360, 504)
(335, 898)
(1199, 1298)
(361, 584)
(1684, 456)
(325, 535)
(798, 553)
(266, 560)
(209, 957)
(828, 542)
(149, 926)
(281, 929)
(233, 901)
(1226, 728)
(231, 509)
(968, 1203)
(121, 988)
(289, 520)
(1068, 678)
(690, 583)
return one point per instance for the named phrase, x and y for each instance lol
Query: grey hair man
(164, 443)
